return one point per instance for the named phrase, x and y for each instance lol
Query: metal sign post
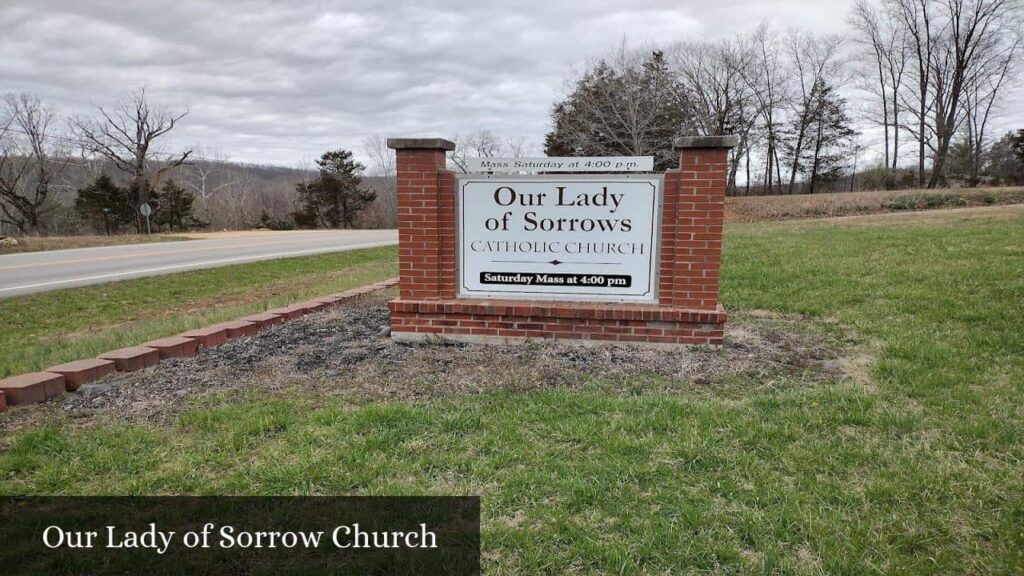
(146, 210)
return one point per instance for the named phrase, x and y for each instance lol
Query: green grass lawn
(40, 330)
(917, 469)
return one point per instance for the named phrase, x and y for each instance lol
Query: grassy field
(789, 207)
(48, 328)
(43, 243)
(915, 468)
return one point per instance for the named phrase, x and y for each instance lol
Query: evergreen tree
(174, 210)
(960, 162)
(1004, 161)
(105, 204)
(622, 108)
(1017, 143)
(335, 198)
(822, 151)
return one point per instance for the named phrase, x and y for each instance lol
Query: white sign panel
(590, 238)
(562, 164)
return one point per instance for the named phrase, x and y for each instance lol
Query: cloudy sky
(278, 82)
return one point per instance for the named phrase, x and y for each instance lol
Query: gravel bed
(341, 351)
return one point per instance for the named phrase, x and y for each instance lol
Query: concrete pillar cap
(421, 144)
(723, 141)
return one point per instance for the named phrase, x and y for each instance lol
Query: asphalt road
(40, 271)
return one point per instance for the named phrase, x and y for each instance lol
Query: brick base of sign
(511, 320)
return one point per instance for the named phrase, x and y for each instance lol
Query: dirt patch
(341, 352)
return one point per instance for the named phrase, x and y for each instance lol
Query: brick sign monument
(588, 249)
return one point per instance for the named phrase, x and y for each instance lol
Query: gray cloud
(277, 82)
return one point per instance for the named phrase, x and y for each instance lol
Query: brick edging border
(55, 380)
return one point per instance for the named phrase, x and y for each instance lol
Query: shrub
(919, 201)
(904, 202)
(271, 223)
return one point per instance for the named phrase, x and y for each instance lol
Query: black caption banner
(239, 535)
(556, 279)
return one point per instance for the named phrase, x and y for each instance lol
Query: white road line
(200, 264)
(25, 260)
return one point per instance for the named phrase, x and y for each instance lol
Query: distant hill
(229, 195)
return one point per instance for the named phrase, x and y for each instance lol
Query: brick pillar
(426, 218)
(694, 206)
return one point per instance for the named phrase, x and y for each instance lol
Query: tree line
(94, 173)
(930, 75)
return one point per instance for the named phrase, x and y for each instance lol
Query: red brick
(312, 305)
(237, 328)
(263, 319)
(82, 372)
(174, 347)
(54, 386)
(31, 388)
(330, 300)
(3, 402)
(209, 336)
(288, 312)
(133, 358)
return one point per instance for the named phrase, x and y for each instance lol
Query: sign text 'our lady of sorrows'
(559, 237)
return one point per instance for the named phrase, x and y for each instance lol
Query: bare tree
(815, 66)
(978, 33)
(127, 136)
(771, 87)
(952, 41)
(886, 52)
(31, 156)
(715, 86)
(383, 169)
(982, 95)
(236, 206)
(485, 144)
(208, 174)
(517, 147)
(915, 24)
(480, 144)
(382, 158)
